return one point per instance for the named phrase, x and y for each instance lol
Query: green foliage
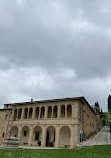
(97, 108)
(108, 118)
(109, 103)
(91, 134)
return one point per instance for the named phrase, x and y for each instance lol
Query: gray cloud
(55, 49)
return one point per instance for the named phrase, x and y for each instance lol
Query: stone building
(56, 122)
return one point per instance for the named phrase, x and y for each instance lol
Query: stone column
(76, 111)
(43, 142)
(22, 116)
(17, 113)
(39, 112)
(52, 112)
(28, 113)
(57, 137)
(65, 111)
(34, 111)
(72, 138)
(19, 134)
(59, 112)
(30, 137)
(46, 110)
(72, 115)
(13, 114)
(77, 133)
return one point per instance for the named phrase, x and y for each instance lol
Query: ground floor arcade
(50, 136)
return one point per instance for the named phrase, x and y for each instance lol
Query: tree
(109, 102)
(97, 108)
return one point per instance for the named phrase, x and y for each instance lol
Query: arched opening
(69, 111)
(37, 112)
(14, 131)
(19, 113)
(55, 112)
(49, 111)
(26, 113)
(42, 112)
(64, 136)
(15, 114)
(63, 111)
(37, 136)
(30, 113)
(25, 135)
(50, 137)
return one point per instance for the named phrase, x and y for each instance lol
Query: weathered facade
(57, 122)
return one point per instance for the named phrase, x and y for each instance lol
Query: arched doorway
(19, 113)
(64, 136)
(42, 112)
(15, 115)
(49, 111)
(63, 111)
(37, 136)
(50, 137)
(37, 113)
(25, 135)
(30, 113)
(14, 131)
(69, 111)
(26, 113)
(55, 112)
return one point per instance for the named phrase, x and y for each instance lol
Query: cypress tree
(109, 103)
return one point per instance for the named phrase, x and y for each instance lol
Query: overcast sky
(54, 49)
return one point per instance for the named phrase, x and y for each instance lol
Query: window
(3, 134)
(25, 133)
(36, 136)
(88, 116)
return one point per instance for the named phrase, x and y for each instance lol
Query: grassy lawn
(79, 152)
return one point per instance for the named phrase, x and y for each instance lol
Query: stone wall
(89, 123)
(4, 116)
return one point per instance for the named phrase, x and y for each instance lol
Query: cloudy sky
(54, 49)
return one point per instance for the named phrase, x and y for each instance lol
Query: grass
(103, 151)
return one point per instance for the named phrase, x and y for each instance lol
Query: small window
(3, 134)
(25, 133)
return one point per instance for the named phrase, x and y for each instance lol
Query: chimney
(31, 99)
